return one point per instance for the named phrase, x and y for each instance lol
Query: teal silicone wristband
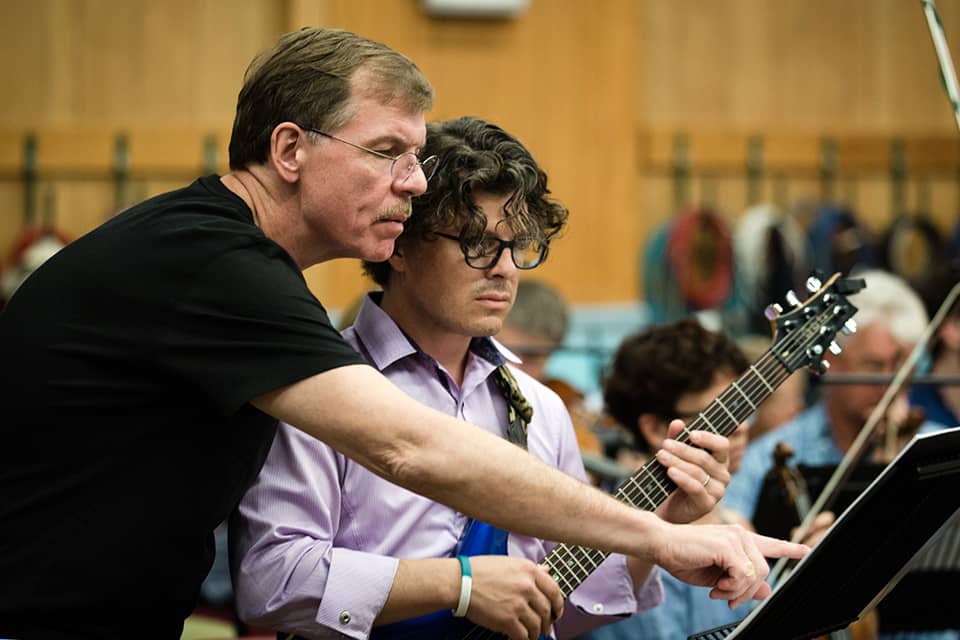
(464, 566)
(466, 586)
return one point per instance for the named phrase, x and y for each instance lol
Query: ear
(652, 429)
(286, 151)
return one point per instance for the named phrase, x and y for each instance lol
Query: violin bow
(947, 73)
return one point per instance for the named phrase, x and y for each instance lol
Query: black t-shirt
(128, 361)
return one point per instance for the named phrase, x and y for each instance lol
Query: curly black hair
(653, 368)
(477, 156)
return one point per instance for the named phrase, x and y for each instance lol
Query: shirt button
(345, 617)
(598, 608)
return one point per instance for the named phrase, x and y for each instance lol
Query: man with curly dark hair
(320, 539)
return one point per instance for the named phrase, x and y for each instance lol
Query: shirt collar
(385, 342)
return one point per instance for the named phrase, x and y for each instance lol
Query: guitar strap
(479, 538)
(519, 411)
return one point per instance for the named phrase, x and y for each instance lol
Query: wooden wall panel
(575, 81)
(123, 63)
(809, 65)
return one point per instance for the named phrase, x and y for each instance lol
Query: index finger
(549, 587)
(675, 427)
(702, 438)
(776, 548)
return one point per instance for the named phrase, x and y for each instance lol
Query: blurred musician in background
(666, 372)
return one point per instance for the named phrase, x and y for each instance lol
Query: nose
(504, 265)
(414, 185)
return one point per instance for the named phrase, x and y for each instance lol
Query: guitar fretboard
(570, 565)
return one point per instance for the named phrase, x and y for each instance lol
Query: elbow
(406, 466)
(422, 466)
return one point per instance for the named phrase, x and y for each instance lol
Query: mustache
(403, 210)
(503, 290)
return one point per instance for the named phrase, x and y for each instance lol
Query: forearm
(421, 587)
(358, 412)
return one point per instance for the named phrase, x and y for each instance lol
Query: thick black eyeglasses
(401, 166)
(486, 253)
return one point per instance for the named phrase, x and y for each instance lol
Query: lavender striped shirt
(315, 543)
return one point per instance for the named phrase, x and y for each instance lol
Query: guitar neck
(570, 565)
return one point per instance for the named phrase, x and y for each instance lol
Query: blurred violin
(897, 427)
(584, 420)
(795, 491)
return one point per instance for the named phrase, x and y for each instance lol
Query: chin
(486, 329)
(377, 254)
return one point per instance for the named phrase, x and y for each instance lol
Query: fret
(576, 561)
(762, 379)
(566, 575)
(664, 491)
(709, 424)
(634, 483)
(745, 396)
(703, 415)
(558, 574)
(733, 418)
(587, 555)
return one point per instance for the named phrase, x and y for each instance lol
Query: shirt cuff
(608, 593)
(358, 584)
(609, 590)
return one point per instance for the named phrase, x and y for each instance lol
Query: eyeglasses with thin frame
(525, 254)
(401, 166)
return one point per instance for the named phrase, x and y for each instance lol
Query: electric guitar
(800, 339)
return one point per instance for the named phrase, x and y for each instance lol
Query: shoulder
(757, 457)
(537, 393)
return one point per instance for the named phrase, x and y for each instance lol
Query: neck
(273, 208)
(449, 349)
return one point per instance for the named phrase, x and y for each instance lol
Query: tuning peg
(849, 327)
(824, 365)
(834, 348)
(813, 284)
(773, 311)
(792, 298)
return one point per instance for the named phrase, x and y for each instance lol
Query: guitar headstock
(805, 333)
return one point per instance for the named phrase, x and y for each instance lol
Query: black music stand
(867, 550)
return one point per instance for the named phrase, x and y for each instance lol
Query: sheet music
(940, 550)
